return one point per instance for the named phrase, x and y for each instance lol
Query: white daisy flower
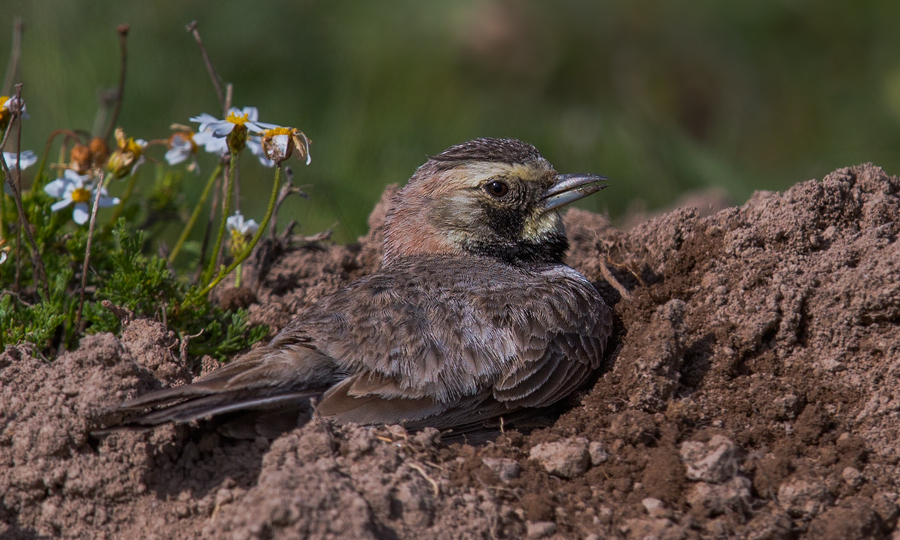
(233, 128)
(26, 159)
(238, 226)
(247, 117)
(181, 148)
(74, 188)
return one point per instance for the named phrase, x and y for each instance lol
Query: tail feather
(265, 386)
(221, 403)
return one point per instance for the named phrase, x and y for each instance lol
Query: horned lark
(473, 316)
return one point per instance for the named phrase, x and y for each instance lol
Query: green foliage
(121, 272)
(224, 333)
(35, 323)
(104, 265)
(144, 285)
(138, 283)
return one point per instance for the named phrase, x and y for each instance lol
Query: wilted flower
(74, 188)
(100, 152)
(233, 129)
(27, 158)
(254, 144)
(80, 158)
(182, 147)
(127, 157)
(279, 143)
(84, 157)
(8, 107)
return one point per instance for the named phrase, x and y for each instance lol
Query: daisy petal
(59, 205)
(74, 178)
(176, 155)
(222, 131)
(56, 188)
(80, 213)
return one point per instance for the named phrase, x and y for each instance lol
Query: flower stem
(243, 256)
(196, 214)
(226, 209)
(87, 251)
(121, 206)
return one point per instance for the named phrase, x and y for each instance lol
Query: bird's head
(492, 197)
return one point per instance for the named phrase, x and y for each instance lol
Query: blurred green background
(663, 97)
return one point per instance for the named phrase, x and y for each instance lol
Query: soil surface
(751, 390)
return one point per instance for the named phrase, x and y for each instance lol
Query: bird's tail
(263, 393)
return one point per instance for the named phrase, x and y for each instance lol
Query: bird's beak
(571, 187)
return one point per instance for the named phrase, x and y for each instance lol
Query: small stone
(655, 508)
(786, 407)
(710, 500)
(598, 453)
(506, 469)
(714, 461)
(568, 458)
(661, 529)
(852, 476)
(539, 529)
(803, 499)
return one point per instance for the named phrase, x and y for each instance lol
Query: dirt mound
(752, 391)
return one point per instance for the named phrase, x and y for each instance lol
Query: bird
(473, 316)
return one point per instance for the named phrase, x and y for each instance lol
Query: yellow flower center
(5, 115)
(81, 195)
(236, 118)
(277, 131)
(133, 147)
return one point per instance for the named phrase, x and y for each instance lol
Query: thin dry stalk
(18, 278)
(87, 252)
(23, 220)
(23, 224)
(123, 46)
(287, 190)
(192, 28)
(14, 55)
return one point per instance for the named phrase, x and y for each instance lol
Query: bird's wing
(482, 351)
(562, 332)
(411, 334)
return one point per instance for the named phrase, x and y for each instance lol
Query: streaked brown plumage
(473, 315)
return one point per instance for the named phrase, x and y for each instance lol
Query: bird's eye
(496, 188)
